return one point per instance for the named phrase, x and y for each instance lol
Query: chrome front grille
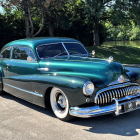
(105, 96)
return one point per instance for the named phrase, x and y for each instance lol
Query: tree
(95, 9)
(31, 9)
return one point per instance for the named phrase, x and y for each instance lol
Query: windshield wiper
(73, 52)
(60, 54)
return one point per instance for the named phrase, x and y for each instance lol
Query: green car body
(34, 80)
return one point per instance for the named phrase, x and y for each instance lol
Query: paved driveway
(20, 120)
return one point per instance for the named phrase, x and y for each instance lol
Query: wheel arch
(47, 96)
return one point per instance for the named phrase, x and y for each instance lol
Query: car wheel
(60, 104)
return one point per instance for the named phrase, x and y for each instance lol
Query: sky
(1, 11)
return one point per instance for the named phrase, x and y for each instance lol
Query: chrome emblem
(121, 79)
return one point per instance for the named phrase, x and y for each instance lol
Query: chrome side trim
(116, 108)
(24, 90)
(114, 87)
(43, 69)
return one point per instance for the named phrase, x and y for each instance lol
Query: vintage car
(62, 72)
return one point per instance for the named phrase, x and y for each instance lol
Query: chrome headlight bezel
(88, 83)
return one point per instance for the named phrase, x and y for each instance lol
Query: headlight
(88, 88)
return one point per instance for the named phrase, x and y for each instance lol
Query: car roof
(36, 41)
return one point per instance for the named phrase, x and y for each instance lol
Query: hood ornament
(121, 79)
(93, 52)
(110, 59)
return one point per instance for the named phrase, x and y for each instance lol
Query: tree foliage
(90, 21)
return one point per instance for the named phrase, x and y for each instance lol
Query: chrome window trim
(37, 94)
(30, 50)
(114, 87)
(19, 60)
(65, 49)
(24, 46)
(63, 46)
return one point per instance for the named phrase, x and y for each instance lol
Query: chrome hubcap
(60, 101)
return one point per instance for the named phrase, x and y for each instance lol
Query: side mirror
(29, 58)
(93, 52)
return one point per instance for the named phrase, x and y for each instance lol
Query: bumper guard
(116, 108)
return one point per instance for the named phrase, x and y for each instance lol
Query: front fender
(71, 86)
(133, 73)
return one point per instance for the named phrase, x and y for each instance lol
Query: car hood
(84, 67)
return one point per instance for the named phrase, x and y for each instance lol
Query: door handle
(8, 66)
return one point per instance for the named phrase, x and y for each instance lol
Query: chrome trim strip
(43, 69)
(24, 90)
(66, 49)
(116, 108)
(114, 87)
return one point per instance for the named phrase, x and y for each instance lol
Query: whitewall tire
(60, 104)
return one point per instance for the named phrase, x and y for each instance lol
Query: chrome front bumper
(116, 108)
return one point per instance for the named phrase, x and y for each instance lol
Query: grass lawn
(122, 54)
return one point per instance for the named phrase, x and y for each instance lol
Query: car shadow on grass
(123, 125)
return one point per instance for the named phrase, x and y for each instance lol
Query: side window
(20, 53)
(6, 53)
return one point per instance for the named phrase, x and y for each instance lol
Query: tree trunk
(41, 27)
(27, 24)
(50, 29)
(96, 37)
(31, 22)
(96, 32)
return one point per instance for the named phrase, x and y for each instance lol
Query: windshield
(74, 48)
(51, 50)
(57, 50)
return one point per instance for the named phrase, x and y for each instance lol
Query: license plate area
(130, 106)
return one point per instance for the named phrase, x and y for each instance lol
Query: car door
(20, 71)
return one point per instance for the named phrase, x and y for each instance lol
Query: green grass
(122, 54)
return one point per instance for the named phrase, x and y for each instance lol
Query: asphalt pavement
(21, 120)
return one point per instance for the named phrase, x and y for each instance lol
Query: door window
(20, 53)
(6, 53)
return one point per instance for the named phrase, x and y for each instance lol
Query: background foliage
(84, 20)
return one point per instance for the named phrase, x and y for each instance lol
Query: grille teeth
(105, 97)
